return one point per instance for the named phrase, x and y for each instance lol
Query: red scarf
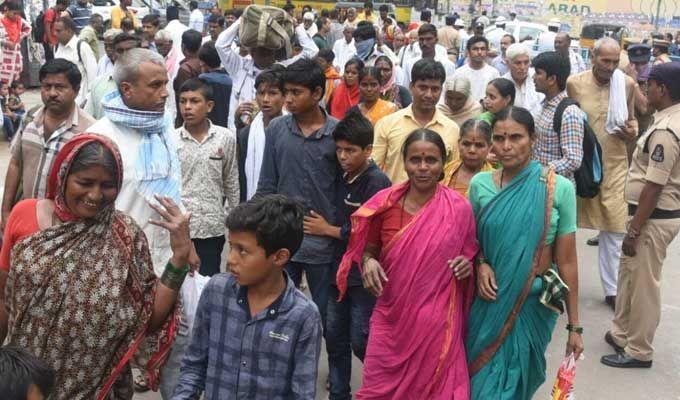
(344, 98)
(13, 28)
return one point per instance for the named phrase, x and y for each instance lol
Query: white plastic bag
(191, 292)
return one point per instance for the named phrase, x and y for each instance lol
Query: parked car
(141, 8)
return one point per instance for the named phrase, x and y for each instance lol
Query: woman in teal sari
(520, 292)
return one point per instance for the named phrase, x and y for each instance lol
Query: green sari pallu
(507, 361)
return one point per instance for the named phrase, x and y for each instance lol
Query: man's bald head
(562, 43)
(606, 44)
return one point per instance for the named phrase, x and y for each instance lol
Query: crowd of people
(425, 183)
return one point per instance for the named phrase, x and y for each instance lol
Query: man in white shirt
(563, 46)
(196, 18)
(78, 52)
(244, 70)
(546, 40)
(344, 49)
(519, 62)
(500, 62)
(496, 34)
(476, 69)
(427, 41)
(105, 64)
(309, 25)
(176, 29)
(351, 17)
(464, 36)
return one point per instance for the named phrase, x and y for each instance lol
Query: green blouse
(563, 218)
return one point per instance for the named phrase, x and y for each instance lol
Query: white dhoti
(609, 250)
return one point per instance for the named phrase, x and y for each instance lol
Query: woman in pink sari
(413, 243)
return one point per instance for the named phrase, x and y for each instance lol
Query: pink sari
(415, 344)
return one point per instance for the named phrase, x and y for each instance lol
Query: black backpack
(38, 28)
(589, 175)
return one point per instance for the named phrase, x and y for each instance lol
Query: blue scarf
(157, 167)
(364, 48)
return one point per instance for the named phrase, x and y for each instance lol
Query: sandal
(140, 383)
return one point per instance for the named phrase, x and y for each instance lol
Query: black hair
(512, 38)
(216, 19)
(383, 7)
(20, 369)
(369, 71)
(61, 66)
(426, 69)
(324, 13)
(272, 76)
(126, 24)
(333, 14)
(68, 23)
(505, 88)
(483, 12)
(476, 39)
(171, 13)
(15, 84)
(193, 4)
(354, 128)
(427, 29)
(94, 154)
(518, 114)
(63, 2)
(476, 125)
(358, 62)
(124, 37)
(197, 85)
(320, 22)
(554, 64)
(275, 220)
(326, 54)
(306, 73)
(95, 17)
(450, 20)
(426, 15)
(238, 12)
(191, 40)
(368, 4)
(364, 30)
(288, 6)
(426, 135)
(208, 54)
(152, 19)
(12, 6)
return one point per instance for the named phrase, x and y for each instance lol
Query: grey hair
(127, 65)
(605, 41)
(112, 33)
(163, 35)
(517, 49)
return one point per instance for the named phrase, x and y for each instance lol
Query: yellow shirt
(362, 17)
(117, 16)
(391, 132)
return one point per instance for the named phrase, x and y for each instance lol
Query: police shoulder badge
(657, 154)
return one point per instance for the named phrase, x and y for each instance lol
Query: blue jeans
(9, 127)
(346, 332)
(318, 279)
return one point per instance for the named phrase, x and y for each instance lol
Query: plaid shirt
(273, 355)
(565, 151)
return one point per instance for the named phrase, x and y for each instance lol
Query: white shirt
(311, 31)
(104, 66)
(449, 67)
(196, 20)
(87, 68)
(243, 71)
(343, 52)
(546, 41)
(176, 29)
(577, 63)
(495, 37)
(526, 95)
(412, 51)
(479, 78)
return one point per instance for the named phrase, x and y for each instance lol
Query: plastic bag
(191, 292)
(563, 389)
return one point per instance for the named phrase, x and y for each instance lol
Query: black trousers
(210, 252)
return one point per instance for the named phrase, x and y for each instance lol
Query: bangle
(174, 277)
(575, 329)
(482, 260)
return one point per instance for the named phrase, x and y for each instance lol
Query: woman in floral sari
(412, 243)
(372, 106)
(80, 291)
(519, 290)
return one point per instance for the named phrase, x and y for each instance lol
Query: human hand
(574, 345)
(373, 277)
(194, 260)
(629, 245)
(631, 71)
(315, 224)
(177, 224)
(461, 267)
(628, 131)
(486, 282)
(247, 107)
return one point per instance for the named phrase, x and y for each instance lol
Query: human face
(512, 144)
(605, 62)
(63, 34)
(4, 89)
(351, 75)
(656, 51)
(424, 165)
(327, 25)
(478, 53)
(194, 107)
(300, 99)
(562, 44)
(398, 41)
(542, 82)
(163, 46)
(322, 63)
(473, 148)
(519, 68)
(214, 29)
(98, 25)
(108, 48)
(426, 94)
(385, 70)
(506, 41)
(149, 91)
(347, 33)
(89, 191)
(352, 158)
(427, 43)
(308, 23)
(383, 15)
(149, 31)
(247, 260)
(11, 14)
(229, 19)
(351, 15)
(60, 8)
(57, 94)
(122, 47)
(455, 100)
(655, 93)
(369, 88)
(493, 101)
(19, 89)
(269, 99)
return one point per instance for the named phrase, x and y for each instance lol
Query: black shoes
(594, 241)
(611, 302)
(610, 341)
(623, 360)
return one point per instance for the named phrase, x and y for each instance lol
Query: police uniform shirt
(656, 159)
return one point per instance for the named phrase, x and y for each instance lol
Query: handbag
(268, 27)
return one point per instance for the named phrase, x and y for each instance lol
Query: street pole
(658, 11)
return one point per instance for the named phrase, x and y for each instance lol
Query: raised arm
(231, 61)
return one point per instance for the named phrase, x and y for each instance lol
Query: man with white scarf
(606, 95)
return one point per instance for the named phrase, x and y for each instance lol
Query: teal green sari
(509, 228)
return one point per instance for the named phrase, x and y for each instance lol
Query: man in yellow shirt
(118, 14)
(367, 13)
(427, 78)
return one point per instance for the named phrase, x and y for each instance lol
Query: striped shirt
(565, 151)
(80, 15)
(35, 153)
(270, 356)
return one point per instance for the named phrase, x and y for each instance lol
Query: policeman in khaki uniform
(653, 196)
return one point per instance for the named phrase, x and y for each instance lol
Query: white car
(104, 7)
(521, 31)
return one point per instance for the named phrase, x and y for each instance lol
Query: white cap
(555, 22)
(500, 20)
(459, 22)
(308, 15)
